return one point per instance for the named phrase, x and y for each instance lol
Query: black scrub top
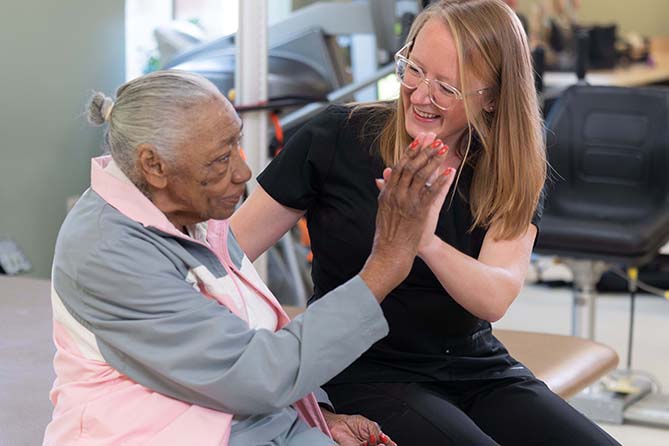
(328, 169)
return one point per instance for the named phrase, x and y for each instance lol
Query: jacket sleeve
(155, 328)
(324, 400)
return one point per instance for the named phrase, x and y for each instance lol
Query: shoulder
(333, 116)
(91, 221)
(96, 234)
(357, 119)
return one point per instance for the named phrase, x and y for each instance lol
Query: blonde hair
(509, 159)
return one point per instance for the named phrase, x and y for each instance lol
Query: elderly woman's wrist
(382, 273)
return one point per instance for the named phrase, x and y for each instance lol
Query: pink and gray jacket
(154, 346)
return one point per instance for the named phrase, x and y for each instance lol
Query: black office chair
(608, 201)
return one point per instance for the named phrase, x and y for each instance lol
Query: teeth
(425, 115)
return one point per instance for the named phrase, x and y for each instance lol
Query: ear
(151, 166)
(489, 100)
(489, 105)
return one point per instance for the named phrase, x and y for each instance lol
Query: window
(200, 20)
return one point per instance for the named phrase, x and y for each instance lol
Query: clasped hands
(412, 194)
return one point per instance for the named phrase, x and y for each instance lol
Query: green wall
(53, 55)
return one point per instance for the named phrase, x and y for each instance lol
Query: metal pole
(288, 246)
(363, 64)
(251, 87)
(632, 277)
(586, 275)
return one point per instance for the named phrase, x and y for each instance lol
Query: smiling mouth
(424, 115)
(232, 200)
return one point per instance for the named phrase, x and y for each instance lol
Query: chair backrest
(609, 152)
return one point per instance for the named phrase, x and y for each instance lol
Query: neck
(180, 219)
(456, 142)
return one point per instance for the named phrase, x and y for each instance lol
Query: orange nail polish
(372, 439)
(443, 150)
(384, 438)
(436, 143)
(413, 144)
(449, 171)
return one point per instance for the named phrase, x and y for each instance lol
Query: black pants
(510, 411)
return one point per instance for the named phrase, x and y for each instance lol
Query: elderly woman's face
(435, 53)
(210, 173)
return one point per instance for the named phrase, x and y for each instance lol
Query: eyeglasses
(443, 95)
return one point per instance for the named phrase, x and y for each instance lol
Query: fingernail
(413, 144)
(449, 171)
(436, 143)
(443, 150)
(384, 438)
(372, 439)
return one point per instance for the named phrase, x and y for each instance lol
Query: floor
(541, 308)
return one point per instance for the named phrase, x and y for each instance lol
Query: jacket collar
(109, 181)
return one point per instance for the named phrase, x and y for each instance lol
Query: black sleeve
(296, 176)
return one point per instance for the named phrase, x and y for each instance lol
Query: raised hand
(410, 188)
(426, 142)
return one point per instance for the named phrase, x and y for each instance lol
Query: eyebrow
(232, 139)
(227, 142)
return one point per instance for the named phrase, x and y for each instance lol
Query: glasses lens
(408, 73)
(444, 95)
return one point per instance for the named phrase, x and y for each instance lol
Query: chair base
(600, 403)
(635, 405)
(586, 275)
(652, 409)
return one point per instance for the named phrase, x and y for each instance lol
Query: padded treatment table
(567, 364)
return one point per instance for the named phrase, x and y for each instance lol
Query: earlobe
(151, 166)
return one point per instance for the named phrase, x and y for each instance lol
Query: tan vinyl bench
(565, 363)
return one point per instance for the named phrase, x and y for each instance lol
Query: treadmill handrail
(308, 111)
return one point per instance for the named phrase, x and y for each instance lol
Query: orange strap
(304, 237)
(278, 132)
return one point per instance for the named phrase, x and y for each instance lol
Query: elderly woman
(165, 334)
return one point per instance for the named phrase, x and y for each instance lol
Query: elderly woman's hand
(355, 430)
(410, 189)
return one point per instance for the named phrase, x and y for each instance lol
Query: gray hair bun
(99, 108)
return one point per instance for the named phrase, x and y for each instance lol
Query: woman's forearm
(484, 289)
(260, 222)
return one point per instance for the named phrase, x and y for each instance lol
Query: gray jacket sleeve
(155, 328)
(324, 400)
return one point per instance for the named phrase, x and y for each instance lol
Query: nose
(241, 173)
(421, 95)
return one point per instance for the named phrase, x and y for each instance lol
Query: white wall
(52, 56)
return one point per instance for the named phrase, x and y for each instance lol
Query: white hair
(150, 109)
